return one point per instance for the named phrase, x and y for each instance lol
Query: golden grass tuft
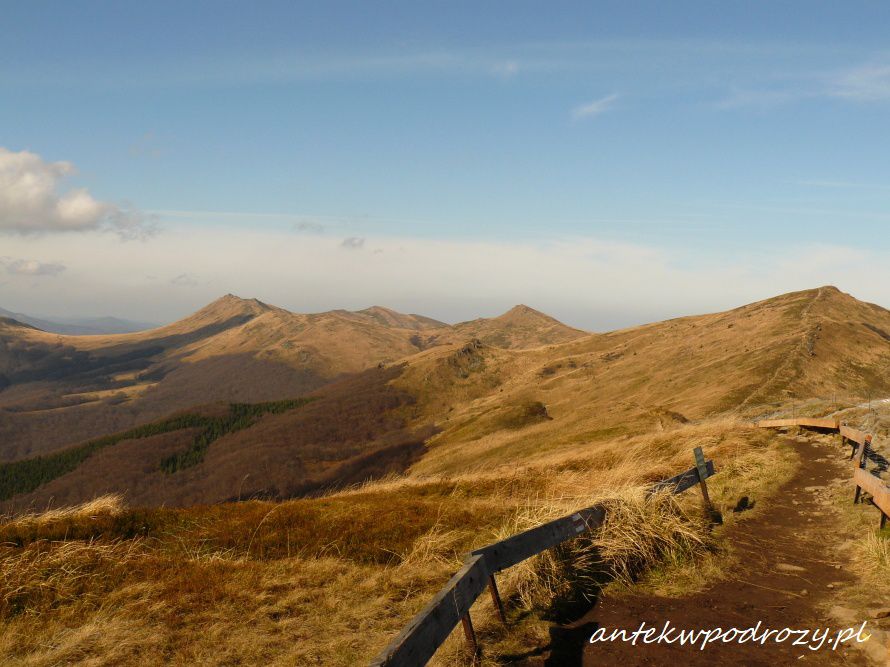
(46, 575)
(639, 532)
(110, 505)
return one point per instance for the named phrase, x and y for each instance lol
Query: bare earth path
(786, 563)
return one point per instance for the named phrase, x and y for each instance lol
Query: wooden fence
(428, 630)
(864, 481)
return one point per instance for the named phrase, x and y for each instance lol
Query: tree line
(28, 474)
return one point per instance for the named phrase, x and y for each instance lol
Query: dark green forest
(28, 474)
(241, 416)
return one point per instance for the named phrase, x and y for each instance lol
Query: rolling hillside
(457, 408)
(61, 390)
(744, 362)
(489, 441)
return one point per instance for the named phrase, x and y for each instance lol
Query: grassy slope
(68, 389)
(328, 581)
(314, 581)
(354, 431)
(746, 361)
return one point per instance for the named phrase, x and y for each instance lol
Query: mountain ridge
(454, 407)
(58, 390)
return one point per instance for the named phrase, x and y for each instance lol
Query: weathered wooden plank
(685, 480)
(879, 491)
(853, 434)
(828, 423)
(776, 423)
(418, 641)
(517, 548)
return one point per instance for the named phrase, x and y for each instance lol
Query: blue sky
(692, 136)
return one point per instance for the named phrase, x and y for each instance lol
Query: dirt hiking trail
(787, 574)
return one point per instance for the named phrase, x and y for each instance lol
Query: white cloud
(309, 226)
(31, 201)
(31, 267)
(595, 107)
(353, 243)
(185, 280)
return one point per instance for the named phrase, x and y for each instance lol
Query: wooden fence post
(702, 475)
(470, 634)
(496, 598)
(860, 463)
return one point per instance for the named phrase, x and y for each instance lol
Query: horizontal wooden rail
(853, 434)
(679, 483)
(428, 630)
(880, 493)
(506, 553)
(807, 422)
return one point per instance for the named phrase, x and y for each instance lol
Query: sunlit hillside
(63, 390)
(460, 408)
(466, 443)
(328, 581)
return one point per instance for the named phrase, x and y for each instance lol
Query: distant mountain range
(78, 326)
(60, 390)
(244, 399)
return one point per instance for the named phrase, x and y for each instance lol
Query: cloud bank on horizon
(590, 283)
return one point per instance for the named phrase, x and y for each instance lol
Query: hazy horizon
(609, 165)
(79, 318)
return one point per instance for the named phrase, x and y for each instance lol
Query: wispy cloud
(594, 107)
(844, 185)
(31, 267)
(446, 279)
(185, 280)
(506, 69)
(760, 99)
(309, 226)
(300, 222)
(146, 146)
(353, 243)
(866, 83)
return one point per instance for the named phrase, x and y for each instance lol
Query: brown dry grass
(328, 581)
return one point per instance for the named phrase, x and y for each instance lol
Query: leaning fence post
(860, 463)
(702, 468)
(496, 598)
(470, 634)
